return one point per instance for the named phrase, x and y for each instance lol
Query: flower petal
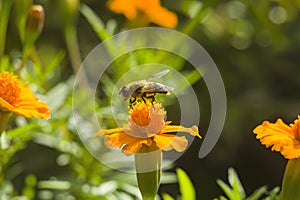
(128, 143)
(151, 9)
(135, 147)
(18, 98)
(292, 151)
(127, 7)
(280, 136)
(108, 132)
(30, 106)
(4, 104)
(174, 129)
(168, 142)
(296, 128)
(162, 17)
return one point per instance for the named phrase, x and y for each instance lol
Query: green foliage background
(255, 44)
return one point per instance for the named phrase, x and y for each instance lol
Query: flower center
(140, 114)
(9, 87)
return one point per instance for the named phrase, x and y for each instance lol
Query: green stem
(148, 168)
(5, 6)
(73, 47)
(150, 180)
(3, 120)
(191, 25)
(29, 51)
(291, 180)
(74, 53)
(23, 61)
(188, 29)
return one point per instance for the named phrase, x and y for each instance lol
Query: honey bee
(145, 89)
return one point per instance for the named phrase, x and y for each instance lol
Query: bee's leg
(144, 98)
(132, 100)
(152, 99)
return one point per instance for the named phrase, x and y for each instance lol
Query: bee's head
(124, 92)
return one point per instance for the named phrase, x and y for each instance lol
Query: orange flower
(281, 137)
(147, 10)
(16, 97)
(147, 127)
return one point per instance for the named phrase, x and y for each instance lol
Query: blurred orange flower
(147, 127)
(144, 10)
(16, 97)
(281, 137)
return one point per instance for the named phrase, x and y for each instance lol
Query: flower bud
(34, 24)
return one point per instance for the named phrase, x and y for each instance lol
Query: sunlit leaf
(185, 185)
(105, 188)
(274, 194)
(54, 63)
(235, 183)
(54, 184)
(4, 141)
(130, 189)
(22, 131)
(226, 189)
(258, 193)
(167, 197)
(57, 95)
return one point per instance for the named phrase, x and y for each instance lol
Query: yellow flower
(16, 97)
(147, 10)
(147, 127)
(281, 137)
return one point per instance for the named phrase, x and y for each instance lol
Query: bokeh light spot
(278, 15)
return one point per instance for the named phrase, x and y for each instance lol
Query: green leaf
(4, 141)
(258, 193)
(55, 62)
(185, 185)
(105, 188)
(167, 197)
(238, 190)
(133, 190)
(30, 184)
(5, 64)
(193, 76)
(123, 195)
(57, 95)
(95, 21)
(226, 189)
(54, 184)
(222, 198)
(274, 194)
(168, 178)
(20, 131)
(99, 28)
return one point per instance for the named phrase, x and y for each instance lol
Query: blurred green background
(254, 43)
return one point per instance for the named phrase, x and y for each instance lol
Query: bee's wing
(158, 75)
(154, 87)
